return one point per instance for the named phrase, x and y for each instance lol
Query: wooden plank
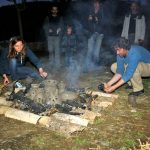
(3, 102)
(71, 119)
(3, 109)
(63, 127)
(22, 115)
(103, 104)
(101, 94)
(87, 114)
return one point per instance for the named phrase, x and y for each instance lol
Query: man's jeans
(54, 49)
(142, 70)
(21, 72)
(94, 46)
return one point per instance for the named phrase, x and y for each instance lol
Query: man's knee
(113, 67)
(143, 69)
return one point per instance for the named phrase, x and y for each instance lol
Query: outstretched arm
(114, 83)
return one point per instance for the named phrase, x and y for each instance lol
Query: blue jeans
(21, 72)
(94, 46)
(68, 57)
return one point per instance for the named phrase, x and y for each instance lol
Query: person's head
(97, 4)
(135, 7)
(16, 45)
(69, 29)
(54, 10)
(121, 46)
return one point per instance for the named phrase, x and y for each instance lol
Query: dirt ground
(117, 129)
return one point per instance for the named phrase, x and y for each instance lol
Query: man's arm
(114, 83)
(115, 86)
(114, 79)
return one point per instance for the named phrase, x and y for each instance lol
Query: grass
(137, 114)
(130, 139)
(81, 141)
(98, 121)
(39, 140)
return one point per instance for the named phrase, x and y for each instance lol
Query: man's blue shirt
(136, 55)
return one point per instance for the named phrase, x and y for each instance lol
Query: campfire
(52, 104)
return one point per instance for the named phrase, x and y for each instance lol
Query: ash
(40, 98)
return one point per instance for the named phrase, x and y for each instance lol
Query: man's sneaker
(138, 93)
(128, 87)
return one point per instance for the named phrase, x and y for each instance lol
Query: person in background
(69, 45)
(133, 63)
(134, 26)
(4, 69)
(95, 29)
(14, 60)
(55, 30)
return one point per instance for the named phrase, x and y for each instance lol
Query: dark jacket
(96, 24)
(4, 63)
(4, 60)
(31, 56)
(54, 24)
(69, 42)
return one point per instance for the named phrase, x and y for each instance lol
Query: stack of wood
(64, 123)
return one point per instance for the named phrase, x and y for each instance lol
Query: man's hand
(90, 17)
(58, 30)
(6, 80)
(43, 74)
(140, 41)
(50, 30)
(109, 89)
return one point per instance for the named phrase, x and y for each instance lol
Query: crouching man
(133, 63)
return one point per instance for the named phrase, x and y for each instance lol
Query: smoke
(73, 74)
(76, 15)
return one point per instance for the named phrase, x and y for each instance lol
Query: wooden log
(3, 109)
(3, 102)
(64, 127)
(101, 94)
(103, 104)
(44, 121)
(22, 115)
(90, 115)
(71, 119)
(60, 126)
(52, 122)
(87, 114)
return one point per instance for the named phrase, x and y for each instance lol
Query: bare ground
(117, 129)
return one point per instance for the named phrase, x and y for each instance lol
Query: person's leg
(113, 67)
(57, 51)
(28, 72)
(131, 38)
(97, 49)
(21, 72)
(67, 57)
(143, 70)
(51, 49)
(13, 69)
(90, 49)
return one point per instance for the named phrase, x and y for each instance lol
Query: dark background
(33, 17)
(34, 13)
